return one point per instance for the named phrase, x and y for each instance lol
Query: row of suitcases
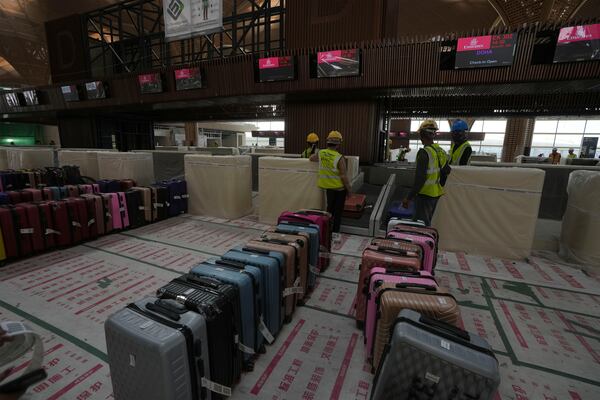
(35, 178)
(38, 225)
(398, 298)
(209, 325)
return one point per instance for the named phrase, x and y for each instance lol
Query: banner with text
(187, 18)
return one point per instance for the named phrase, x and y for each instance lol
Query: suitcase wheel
(262, 349)
(360, 325)
(287, 319)
(248, 366)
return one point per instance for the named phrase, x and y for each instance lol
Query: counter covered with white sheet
(287, 184)
(490, 211)
(136, 166)
(87, 161)
(28, 158)
(219, 186)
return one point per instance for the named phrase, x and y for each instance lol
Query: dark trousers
(335, 206)
(424, 208)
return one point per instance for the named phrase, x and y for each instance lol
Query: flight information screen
(150, 83)
(188, 78)
(485, 51)
(273, 69)
(338, 63)
(578, 43)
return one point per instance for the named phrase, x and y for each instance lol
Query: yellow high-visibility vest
(432, 186)
(456, 154)
(443, 156)
(329, 174)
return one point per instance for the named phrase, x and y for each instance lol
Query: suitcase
(301, 241)
(113, 214)
(376, 278)
(36, 194)
(36, 234)
(9, 232)
(146, 198)
(219, 303)
(91, 205)
(108, 185)
(95, 188)
(289, 271)
(62, 223)
(72, 174)
(393, 221)
(56, 193)
(123, 210)
(4, 198)
(426, 359)
(398, 257)
(248, 280)
(160, 195)
(308, 218)
(72, 190)
(14, 196)
(158, 350)
(426, 242)
(23, 230)
(78, 219)
(126, 184)
(47, 194)
(313, 248)
(49, 231)
(410, 226)
(177, 190)
(355, 202)
(85, 189)
(135, 208)
(396, 210)
(429, 300)
(272, 304)
(2, 250)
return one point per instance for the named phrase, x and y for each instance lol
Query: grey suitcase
(429, 359)
(158, 350)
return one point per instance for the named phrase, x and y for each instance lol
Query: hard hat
(571, 149)
(429, 124)
(334, 137)
(554, 149)
(459, 125)
(312, 138)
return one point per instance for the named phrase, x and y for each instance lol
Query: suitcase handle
(415, 285)
(392, 250)
(460, 333)
(204, 281)
(275, 241)
(162, 307)
(298, 241)
(259, 251)
(231, 263)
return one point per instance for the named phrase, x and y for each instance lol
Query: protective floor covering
(541, 317)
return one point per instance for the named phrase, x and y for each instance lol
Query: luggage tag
(26, 231)
(265, 331)
(51, 232)
(216, 387)
(242, 347)
(91, 221)
(295, 289)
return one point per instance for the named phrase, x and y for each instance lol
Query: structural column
(517, 138)
(190, 134)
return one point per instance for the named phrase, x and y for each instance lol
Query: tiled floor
(542, 316)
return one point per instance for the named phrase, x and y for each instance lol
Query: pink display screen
(150, 83)
(188, 78)
(272, 69)
(578, 43)
(336, 63)
(485, 51)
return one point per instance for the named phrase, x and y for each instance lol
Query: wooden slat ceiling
(24, 61)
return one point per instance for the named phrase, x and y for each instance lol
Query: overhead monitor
(95, 90)
(31, 97)
(578, 43)
(485, 51)
(273, 69)
(70, 92)
(150, 83)
(188, 78)
(338, 63)
(12, 99)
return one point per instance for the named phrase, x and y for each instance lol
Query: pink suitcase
(426, 242)
(123, 209)
(316, 218)
(377, 277)
(95, 188)
(114, 209)
(85, 189)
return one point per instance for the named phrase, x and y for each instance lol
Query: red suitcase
(47, 194)
(95, 188)
(9, 233)
(95, 210)
(355, 202)
(26, 196)
(127, 184)
(24, 230)
(85, 189)
(108, 218)
(62, 223)
(35, 224)
(36, 194)
(78, 218)
(72, 190)
(15, 197)
(49, 231)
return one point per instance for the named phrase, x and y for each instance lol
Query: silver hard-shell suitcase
(158, 350)
(430, 359)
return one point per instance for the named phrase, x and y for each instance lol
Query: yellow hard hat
(334, 137)
(312, 138)
(429, 124)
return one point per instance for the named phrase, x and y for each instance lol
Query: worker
(571, 154)
(427, 188)
(333, 179)
(312, 141)
(554, 156)
(460, 150)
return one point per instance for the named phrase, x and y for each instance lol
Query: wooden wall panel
(517, 135)
(357, 122)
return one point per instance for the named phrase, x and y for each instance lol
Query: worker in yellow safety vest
(312, 141)
(427, 187)
(571, 154)
(332, 178)
(460, 150)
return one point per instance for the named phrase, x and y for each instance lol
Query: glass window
(477, 126)
(545, 126)
(571, 126)
(592, 126)
(566, 140)
(494, 126)
(496, 139)
(543, 139)
(414, 125)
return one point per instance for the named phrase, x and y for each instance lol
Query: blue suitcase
(4, 198)
(397, 211)
(109, 186)
(56, 193)
(248, 280)
(272, 285)
(313, 251)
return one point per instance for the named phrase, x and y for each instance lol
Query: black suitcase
(219, 303)
(135, 208)
(160, 196)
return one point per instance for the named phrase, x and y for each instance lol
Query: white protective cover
(353, 167)
(22, 158)
(136, 166)
(579, 240)
(86, 160)
(219, 186)
(287, 184)
(490, 211)
(3, 159)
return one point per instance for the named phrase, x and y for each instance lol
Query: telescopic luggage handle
(259, 251)
(409, 285)
(168, 308)
(231, 264)
(453, 330)
(204, 281)
(298, 241)
(392, 250)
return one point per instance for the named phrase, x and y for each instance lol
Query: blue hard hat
(459, 125)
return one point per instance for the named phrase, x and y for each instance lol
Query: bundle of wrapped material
(136, 166)
(23, 158)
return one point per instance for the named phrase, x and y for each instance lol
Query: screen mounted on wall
(188, 78)
(150, 83)
(485, 51)
(31, 97)
(12, 99)
(70, 92)
(273, 69)
(337, 63)
(578, 43)
(95, 90)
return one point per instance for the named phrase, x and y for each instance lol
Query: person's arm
(464, 160)
(343, 175)
(314, 157)
(420, 176)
